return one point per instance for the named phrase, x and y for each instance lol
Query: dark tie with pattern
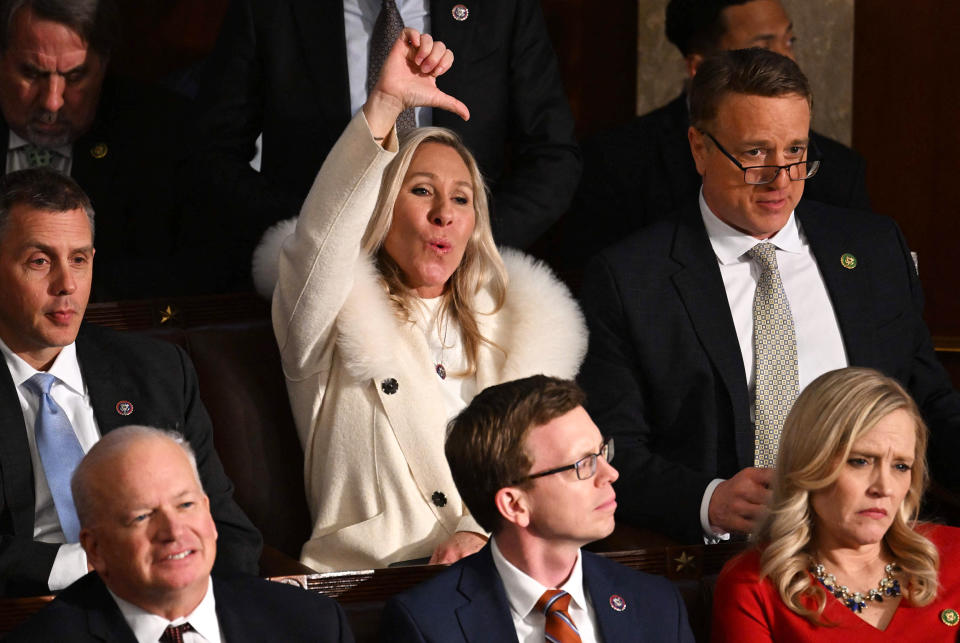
(386, 30)
(774, 356)
(174, 633)
(559, 627)
(60, 452)
(38, 156)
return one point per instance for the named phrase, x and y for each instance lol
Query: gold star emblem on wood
(683, 561)
(168, 313)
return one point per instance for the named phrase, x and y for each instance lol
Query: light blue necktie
(60, 452)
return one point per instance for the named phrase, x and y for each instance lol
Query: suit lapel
(614, 625)
(15, 462)
(106, 385)
(851, 291)
(104, 619)
(486, 614)
(460, 36)
(324, 42)
(701, 288)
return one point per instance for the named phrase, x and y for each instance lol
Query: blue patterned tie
(60, 452)
(774, 356)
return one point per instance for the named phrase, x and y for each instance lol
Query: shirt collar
(729, 244)
(523, 592)
(147, 626)
(15, 141)
(65, 368)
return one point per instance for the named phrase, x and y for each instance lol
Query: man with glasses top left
(534, 469)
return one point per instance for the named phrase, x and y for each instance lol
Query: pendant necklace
(439, 367)
(889, 587)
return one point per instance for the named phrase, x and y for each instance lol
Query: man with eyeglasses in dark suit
(534, 469)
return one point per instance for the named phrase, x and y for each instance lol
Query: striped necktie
(386, 30)
(559, 627)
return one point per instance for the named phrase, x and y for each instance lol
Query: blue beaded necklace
(889, 587)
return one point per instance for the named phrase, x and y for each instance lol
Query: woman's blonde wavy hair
(481, 265)
(831, 414)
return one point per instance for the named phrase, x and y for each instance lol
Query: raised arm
(318, 261)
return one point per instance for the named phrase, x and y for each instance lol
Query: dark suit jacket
(643, 170)
(248, 609)
(127, 163)
(664, 372)
(468, 602)
(159, 380)
(280, 66)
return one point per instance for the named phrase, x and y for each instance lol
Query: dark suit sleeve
(544, 165)
(652, 491)
(238, 541)
(229, 118)
(397, 624)
(25, 565)
(930, 386)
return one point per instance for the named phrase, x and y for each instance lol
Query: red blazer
(746, 611)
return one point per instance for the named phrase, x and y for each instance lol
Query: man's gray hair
(83, 481)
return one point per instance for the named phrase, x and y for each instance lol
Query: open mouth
(180, 555)
(439, 245)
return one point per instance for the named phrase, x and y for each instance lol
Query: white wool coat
(377, 482)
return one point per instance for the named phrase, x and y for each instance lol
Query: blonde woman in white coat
(392, 309)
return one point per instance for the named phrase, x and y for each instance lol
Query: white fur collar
(540, 326)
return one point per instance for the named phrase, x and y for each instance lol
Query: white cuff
(69, 565)
(711, 535)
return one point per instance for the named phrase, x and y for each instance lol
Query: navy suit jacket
(280, 68)
(643, 171)
(248, 609)
(468, 603)
(159, 380)
(664, 372)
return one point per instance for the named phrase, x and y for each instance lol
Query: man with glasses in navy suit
(534, 470)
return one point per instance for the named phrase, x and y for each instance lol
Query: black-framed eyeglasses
(761, 174)
(586, 466)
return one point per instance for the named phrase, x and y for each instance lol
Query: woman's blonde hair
(481, 265)
(831, 414)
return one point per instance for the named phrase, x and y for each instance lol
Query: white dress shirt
(70, 392)
(359, 17)
(148, 627)
(819, 342)
(17, 155)
(523, 593)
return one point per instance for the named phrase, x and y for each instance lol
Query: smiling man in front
(704, 329)
(148, 533)
(65, 384)
(533, 469)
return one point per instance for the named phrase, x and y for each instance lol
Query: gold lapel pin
(848, 261)
(99, 150)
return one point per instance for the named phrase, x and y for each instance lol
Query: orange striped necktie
(559, 627)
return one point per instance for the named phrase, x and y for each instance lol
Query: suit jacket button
(439, 499)
(389, 386)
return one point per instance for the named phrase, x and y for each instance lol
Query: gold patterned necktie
(559, 627)
(777, 382)
(386, 30)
